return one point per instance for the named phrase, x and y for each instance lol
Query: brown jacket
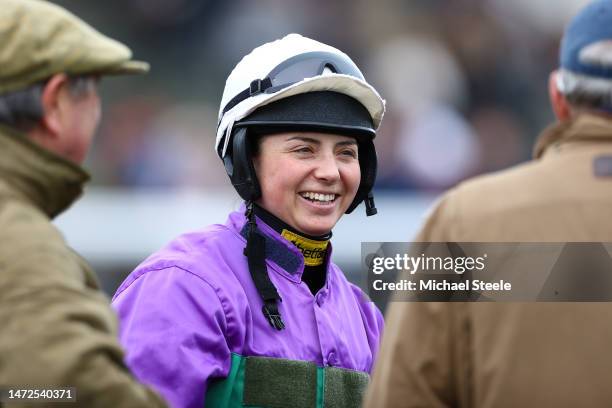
(56, 326)
(511, 354)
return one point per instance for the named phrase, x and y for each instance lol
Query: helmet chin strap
(255, 252)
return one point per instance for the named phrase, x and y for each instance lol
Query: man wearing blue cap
(521, 354)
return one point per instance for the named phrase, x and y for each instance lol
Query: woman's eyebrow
(351, 142)
(304, 139)
(347, 143)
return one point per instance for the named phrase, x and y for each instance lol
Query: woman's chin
(315, 227)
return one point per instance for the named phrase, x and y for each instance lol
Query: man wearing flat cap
(544, 354)
(57, 329)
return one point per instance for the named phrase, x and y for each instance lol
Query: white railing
(125, 226)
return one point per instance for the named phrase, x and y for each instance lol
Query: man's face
(82, 111)
(308, 179)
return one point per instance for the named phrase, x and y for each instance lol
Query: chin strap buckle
(370, 206)
(270, 310)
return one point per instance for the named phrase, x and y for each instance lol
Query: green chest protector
(265, 382)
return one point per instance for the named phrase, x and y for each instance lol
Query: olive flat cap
(39, 39)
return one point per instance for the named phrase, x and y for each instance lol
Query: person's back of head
(49, 64)
(583, 81)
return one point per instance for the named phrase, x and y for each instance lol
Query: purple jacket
(191, 311)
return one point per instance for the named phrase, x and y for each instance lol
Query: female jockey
(253, 311)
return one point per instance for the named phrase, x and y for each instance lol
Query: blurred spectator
(434, 145)
(439, 148)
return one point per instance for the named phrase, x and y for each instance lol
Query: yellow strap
(313, 251)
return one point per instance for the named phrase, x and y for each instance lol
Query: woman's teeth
(319, 197)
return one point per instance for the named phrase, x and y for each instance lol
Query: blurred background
(465, 83)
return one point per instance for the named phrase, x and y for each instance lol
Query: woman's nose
(327, 168)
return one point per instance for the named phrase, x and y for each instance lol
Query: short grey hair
(584, 91)
(23, 109)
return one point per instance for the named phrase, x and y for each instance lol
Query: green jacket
(56, 326)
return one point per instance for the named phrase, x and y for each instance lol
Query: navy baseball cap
(586, 47)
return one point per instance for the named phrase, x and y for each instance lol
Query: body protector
(293, 84)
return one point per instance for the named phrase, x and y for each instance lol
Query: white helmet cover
(243, 92)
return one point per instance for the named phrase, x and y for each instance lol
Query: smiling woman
(254, 312)
(309, 179)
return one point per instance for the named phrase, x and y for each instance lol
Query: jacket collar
(34, 174)
(279, 250)
(585, 127)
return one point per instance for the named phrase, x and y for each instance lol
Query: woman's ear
(256, 164)
(52, 104)
(255, 151)
(558, 101)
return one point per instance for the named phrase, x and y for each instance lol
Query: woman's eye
(304, 149)
(349, 153)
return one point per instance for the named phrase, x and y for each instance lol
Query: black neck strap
(255, 252)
